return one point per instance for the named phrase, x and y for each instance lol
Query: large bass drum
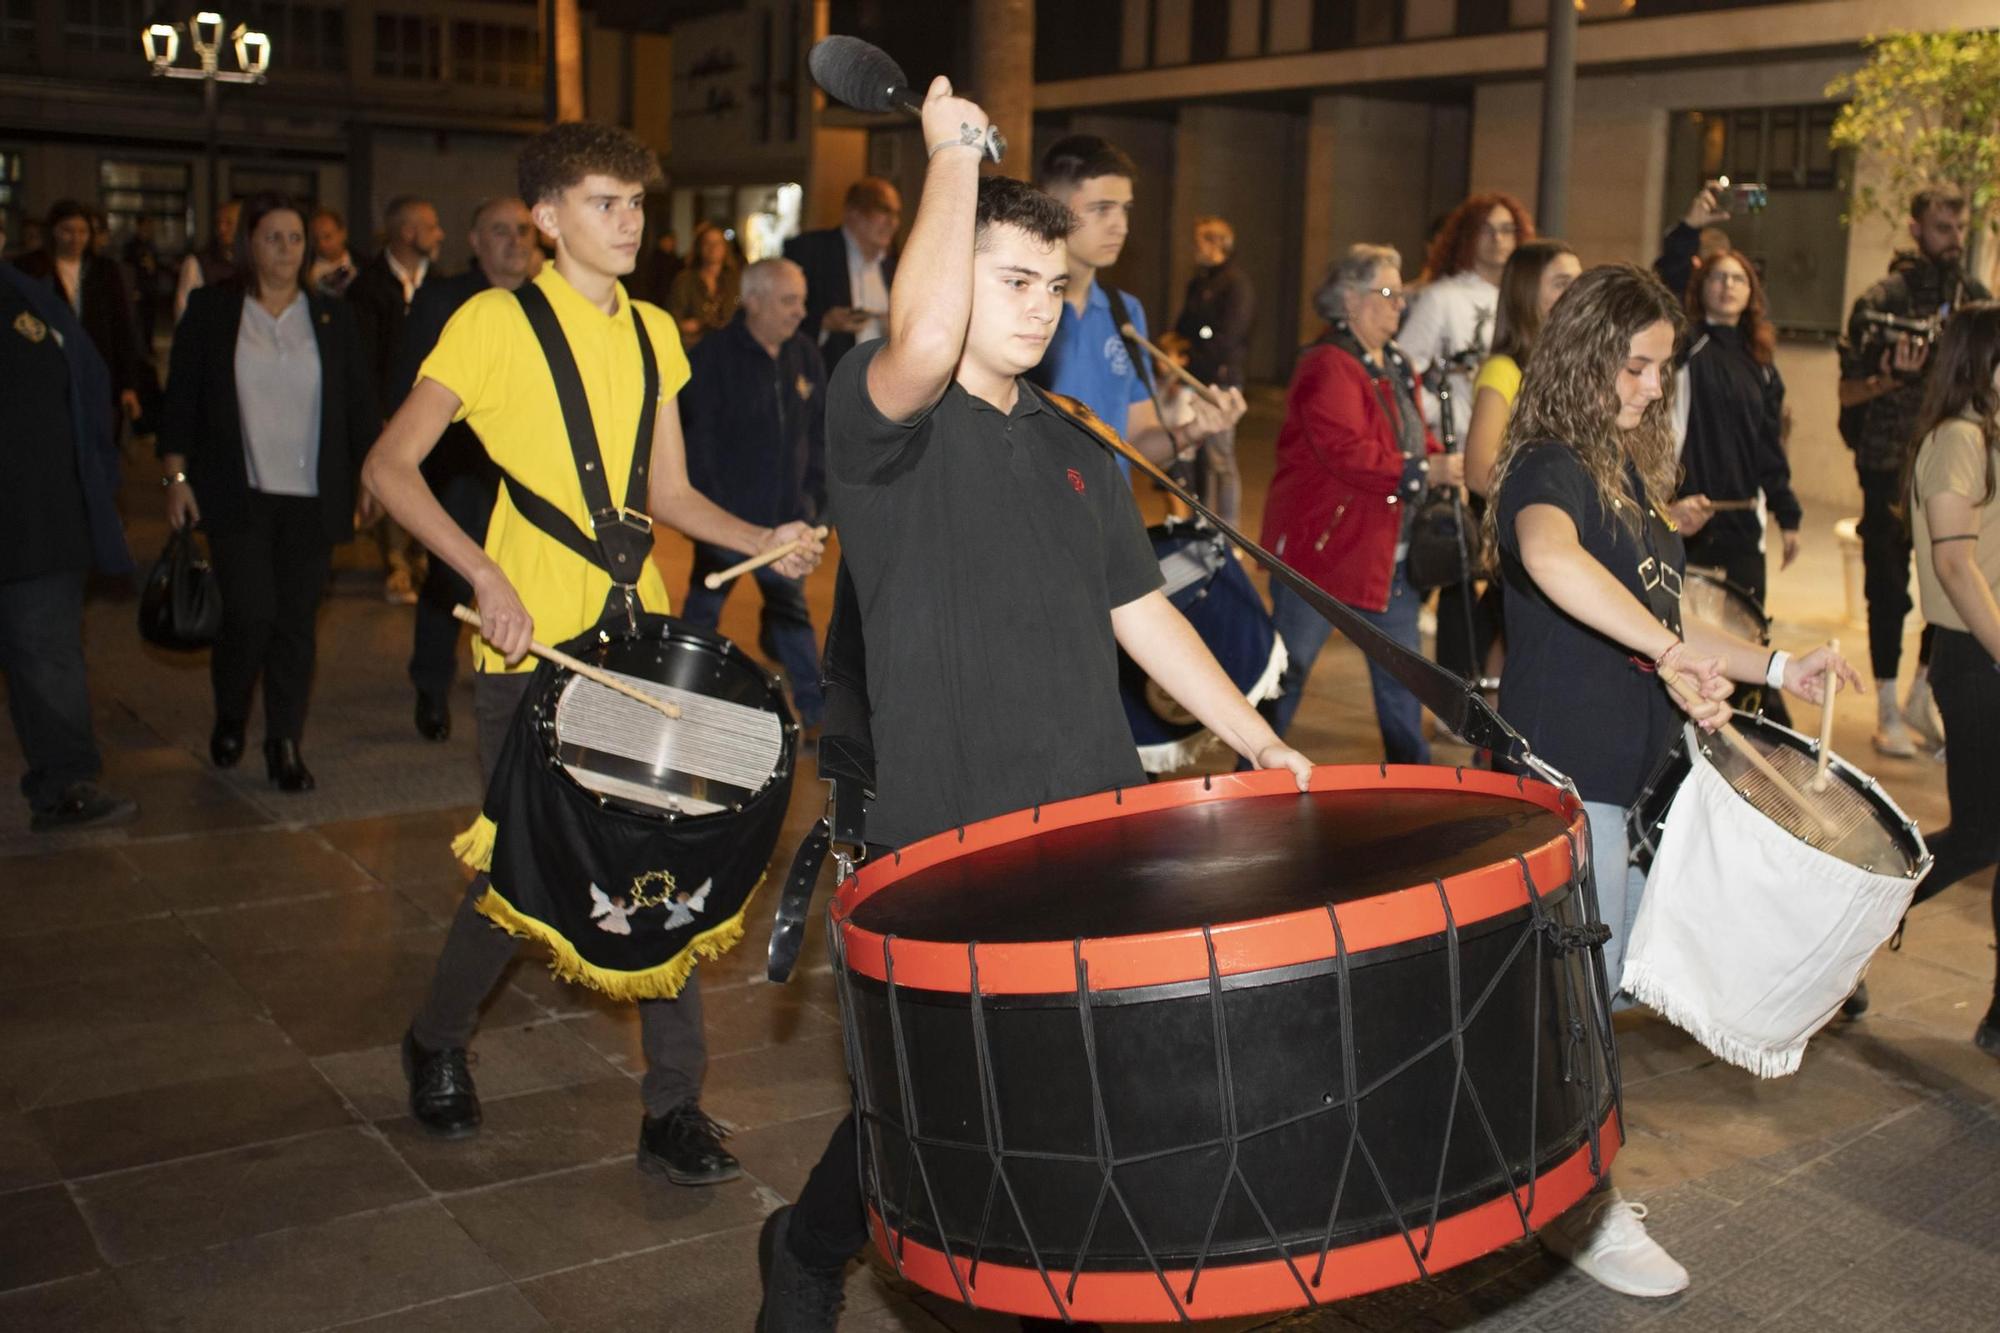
(1216, 1048)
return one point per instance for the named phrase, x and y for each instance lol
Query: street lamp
(162, 44)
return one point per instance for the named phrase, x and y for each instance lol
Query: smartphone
(1740, 196)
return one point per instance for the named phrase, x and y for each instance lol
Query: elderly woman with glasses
(1354, 456)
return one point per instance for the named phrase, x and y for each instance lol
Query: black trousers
(41, 659)
(1968, 695)
(476, 952)
(1743, 565)
(468, 497)
(271, 572)
(1885, 574)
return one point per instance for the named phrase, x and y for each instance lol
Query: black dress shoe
(433, 717)
(442, 1097)
(287, 770)
(685, 1146)
(84, 805)
(1856, 1004)
(797, 1299)
(225, 743)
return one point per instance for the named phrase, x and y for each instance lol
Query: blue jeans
(786, 632)
(1305, 631)
(41, 657)
(1620, 886)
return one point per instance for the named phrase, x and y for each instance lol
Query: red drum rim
(1172, 957)
(1267, 1285)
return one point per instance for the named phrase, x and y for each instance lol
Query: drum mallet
(1179, 372)
(1728, 732)
(597, 675)
(1821, 777)
(761, 559)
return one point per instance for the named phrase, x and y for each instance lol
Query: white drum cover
(1748, 938)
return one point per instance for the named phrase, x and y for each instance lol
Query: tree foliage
(1927, 107)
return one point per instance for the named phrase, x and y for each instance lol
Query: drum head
(733, 739)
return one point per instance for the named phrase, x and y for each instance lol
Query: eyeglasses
(1504, 229)
(1723, 277)
(1393, 295)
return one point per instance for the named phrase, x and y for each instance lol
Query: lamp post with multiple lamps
(162, 45)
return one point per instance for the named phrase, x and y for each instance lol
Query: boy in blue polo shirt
(1087, 359)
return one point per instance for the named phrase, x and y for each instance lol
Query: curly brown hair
(1755, 322)
(562, 155)
(1569, 392)
(1457, 240)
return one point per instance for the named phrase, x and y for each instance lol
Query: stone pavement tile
(782, 1155)
(567, 1218)
(506, 1061)
(758, 1015)
(1953, 934)
(400, 848)
(89, 952)
(182, 1119)
(1899, 979)
(495, 1310)
(338, 920)
(1954, 1011)
(154, 1211)
(42, 1238)
(776, 1083)
(528, 1135)
(193, 873)
(1649, 1046)
(72, 889)
(354, 998)
(25, 1159)
(177, 795)
(313, 1276)
(94, 1303)
(901, 1316)
(1939, 1058)
(438, 895)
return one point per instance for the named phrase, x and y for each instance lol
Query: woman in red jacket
(1353, 458)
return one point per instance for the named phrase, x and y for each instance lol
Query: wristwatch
(167, 482)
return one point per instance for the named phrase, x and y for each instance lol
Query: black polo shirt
(988, 549)
(41, 489)
(1577, 696)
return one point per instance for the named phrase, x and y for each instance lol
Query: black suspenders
(621, 537)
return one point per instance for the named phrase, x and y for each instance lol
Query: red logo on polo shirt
(1076, 480)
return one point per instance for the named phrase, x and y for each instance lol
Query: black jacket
(379, 313)
(1216, 316)
(823, 255)
(1880, 430)
(458, 449)
(106, 315)
(756, 425)
(202, 420)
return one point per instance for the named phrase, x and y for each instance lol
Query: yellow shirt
(1500, 374)
(1953, 459)
(489, 357)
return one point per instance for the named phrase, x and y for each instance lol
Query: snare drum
(1706, 594)
(1216, 1048)
(1206, 584)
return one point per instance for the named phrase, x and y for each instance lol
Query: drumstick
(1179, 371)
(758, 561)
(1728, 732)
(580, 667)
(1821, 777)
(1724, 506)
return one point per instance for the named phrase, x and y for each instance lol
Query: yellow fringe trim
(475, 845)
(654, 983)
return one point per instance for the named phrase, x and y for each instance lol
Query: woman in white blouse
(269, 413)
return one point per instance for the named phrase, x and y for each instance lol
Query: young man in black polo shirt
(1000, 563)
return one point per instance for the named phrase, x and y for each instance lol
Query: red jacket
(1335, 508)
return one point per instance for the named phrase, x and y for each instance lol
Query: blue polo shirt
(1087, 360)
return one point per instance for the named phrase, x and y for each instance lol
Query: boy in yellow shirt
(540, 573)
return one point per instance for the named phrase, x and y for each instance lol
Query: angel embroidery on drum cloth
(614, 915)
(610, 914)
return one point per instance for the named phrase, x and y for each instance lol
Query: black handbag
(181, 605)
(1439, 556)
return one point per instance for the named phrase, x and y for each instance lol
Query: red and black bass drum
(1215, 1047)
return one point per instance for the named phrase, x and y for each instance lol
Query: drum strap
(1661, 580)
(621, 537)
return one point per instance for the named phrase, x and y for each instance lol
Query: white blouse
(278, 397)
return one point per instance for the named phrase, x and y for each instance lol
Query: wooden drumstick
(1179, 371)
(1728, 732)
(562, 659)
(761, 559)
(1821, 777)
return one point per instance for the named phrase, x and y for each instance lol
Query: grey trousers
(477, 952)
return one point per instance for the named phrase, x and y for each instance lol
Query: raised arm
(931, 300)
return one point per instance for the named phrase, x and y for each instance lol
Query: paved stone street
(201, 1107)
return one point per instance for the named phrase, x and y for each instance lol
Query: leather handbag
(180, 608)
(1437, 557)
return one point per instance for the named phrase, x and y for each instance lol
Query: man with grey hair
(754, 415)
(1354, 456)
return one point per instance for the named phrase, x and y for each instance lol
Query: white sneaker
(1892, 735)
(1920, 713)
(1605, 1237)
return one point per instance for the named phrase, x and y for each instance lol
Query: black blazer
(202, 421)
(823, 255)
(376, 294)
(106, 315)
